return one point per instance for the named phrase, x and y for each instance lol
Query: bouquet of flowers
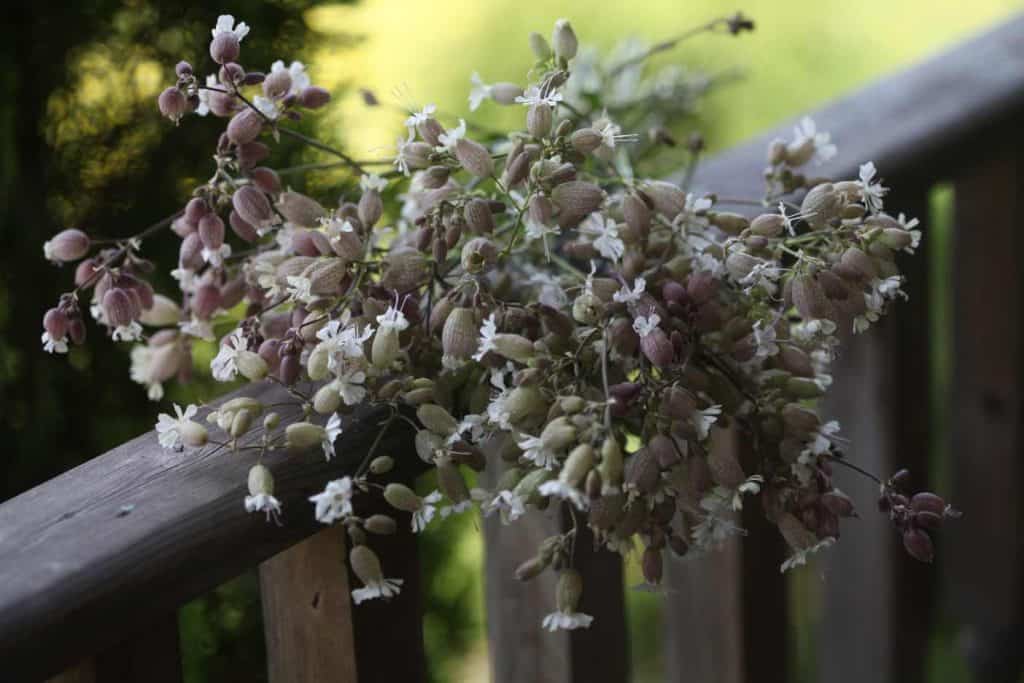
(531, 294)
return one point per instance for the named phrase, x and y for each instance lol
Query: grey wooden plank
(78, 574)
(984, 548)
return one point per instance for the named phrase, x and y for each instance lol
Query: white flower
(479, 92)
(535, 230)
(450, 137)
(605, 232)
(215, 257)
(224, 365)
(644, 326)
(764, 341)
(474, 424)
(457, 508)
(534, 96)
(266, 106)
(806, 131)
(204, 95)
(264, 502)
(915, 235)
(51, 345)
(510, 506)
(870, 190)
(536, 452)
(381, 588)
(703, 419)
(201, 329)
(401, 145)
(342, 340)
(821, 440)
(168, 428)
(393, 319)
(418, 117)
(226, 24)
(566, 621)
(497, 410)
(335, 502)
(297, 71)
(350, 386)
(130, 332)
(332, 430)
(299, 289)
(799, 558)
(372, 181)
(716, 527)
(559, 489)
(627, 295)
(487, 332)
(421, 518)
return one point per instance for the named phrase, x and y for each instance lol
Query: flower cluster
(531, 295)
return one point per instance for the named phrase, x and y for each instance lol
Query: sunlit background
(83, 145)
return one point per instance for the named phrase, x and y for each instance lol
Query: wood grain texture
(519, 649)
(77, 573)
(704, 610)
(307, 611)
(984, 548)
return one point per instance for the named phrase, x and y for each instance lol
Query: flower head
(871, 190)
(645, 325)
(168, 428)
(418, 117)
(488, 330)
(332, 430)
(631, 295)
(334, 502)
(226, 24)
(450, 137)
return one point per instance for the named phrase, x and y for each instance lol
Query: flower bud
(118, 307)
(371, 208)
(539, 46)
(193, 434)
(505, 93)
(277, 83)
(225, 47)
(381, 524)
(809, 298)
(563, 38)
(525, 402)
(300, 210)
(768, 225)
(820, 205)
(401, 497)
(558, 434)
(56, 322)
(251, 365)
(450, 481)
(532, 567)
(206, 300)
(460, 336)
(919, 544)
(516, 169)
(241, 423)
(211, 231)
(245, 126)
(478, 216)
(585, 140)
(252, 206)
(173, 104)
(386, 346)
(642, 471)
(538, 120)
(327, 399)
(313, 97)
(577, 197)
(667, 198)
(436, 419)
(636, 212)
(515, 347)
(301, 436)
(568, 590)
(430, 130)
(474, 157)
(182, 69)
(577, 465)
(382, 464)
(365, 565)
(728, 222)
(658, 348)
(66, 246)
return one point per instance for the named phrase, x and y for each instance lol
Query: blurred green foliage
(82, 145)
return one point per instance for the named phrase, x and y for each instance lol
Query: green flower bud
(569, 590)
(260, 481)
(436, 419)
(401, 497)
(382, 464)
(301, 436)
(193, 434)
(327, 399)
(381, 524)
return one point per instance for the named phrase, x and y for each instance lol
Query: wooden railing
(95, 563)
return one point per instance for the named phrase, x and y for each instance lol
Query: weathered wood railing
(94, 563)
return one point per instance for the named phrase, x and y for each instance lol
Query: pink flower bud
(222, 104)
(288, 371)
(195, 210)
(183, 69)
(623, 394)
(313, 97)
(474, 157)
(277, 84)
(245, 126)
(67, 245)
(252, 206)
(658, 348)
(266, 179)
(430, 130)
(211, 231)
(241, 228)
(55, 322)
(231, 73)
(173, 104)
(76, 330)
(928, 502)
(371, 208)
(919, 544)
(225, 48)
(118, 307)
(190, 254)
(85, 272)
(206, 301)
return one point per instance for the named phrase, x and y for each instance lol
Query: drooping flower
(871, 190)
(645, 325)
(806, 132)
(224, 365)
(536, 452)
(264, 502)
(130, 332)
(450, 137)
(51, 345)
(401, 161)
(334, 502)
(628, 295)
(168, 428)
(366, 566)
(479, 92)
(421, 116)
(428, 508)
(297, 71)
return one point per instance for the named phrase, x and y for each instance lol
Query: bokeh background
(81, 144)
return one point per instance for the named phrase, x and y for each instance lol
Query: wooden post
(984, 548)
(704, 611)
(874, 594)
(307, 612)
